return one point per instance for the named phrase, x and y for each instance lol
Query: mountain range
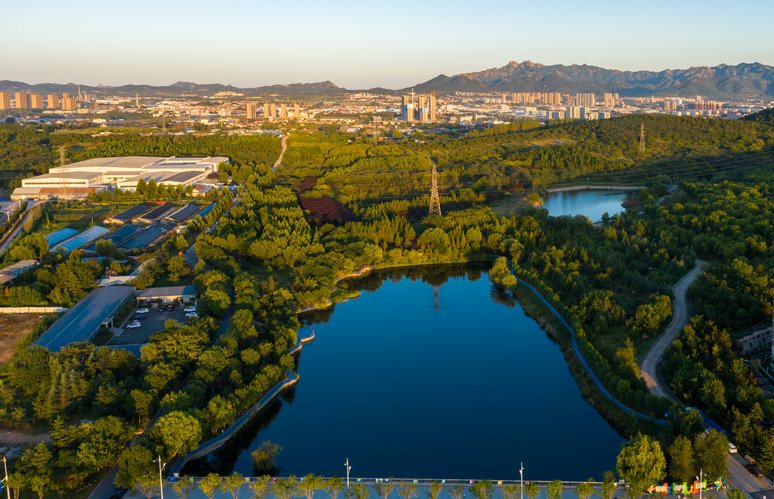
(754, 81)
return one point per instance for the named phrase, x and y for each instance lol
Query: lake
(400, 388)
(592, 203)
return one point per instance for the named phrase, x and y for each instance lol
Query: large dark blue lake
(468, 391)
(591, 203)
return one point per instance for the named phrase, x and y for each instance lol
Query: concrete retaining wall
(596, 187)
(33, 310)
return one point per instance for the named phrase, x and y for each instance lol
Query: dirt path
(284, 147)
(16, 438)
(650, 360)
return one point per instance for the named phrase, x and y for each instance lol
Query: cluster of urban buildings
(419, 107)
(272, 111)
(26, 100)
(78, 180)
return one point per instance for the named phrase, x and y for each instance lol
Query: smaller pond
(592, 203)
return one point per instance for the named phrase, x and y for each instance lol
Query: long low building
(79, 179)
(84, 320)
(171, 294)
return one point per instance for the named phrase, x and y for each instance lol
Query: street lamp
(521, 474)
(699, 479)
(7, 485)
(161, 483)
(348, 468)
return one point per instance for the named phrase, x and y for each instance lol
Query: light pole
(161, 483)
(7, 485)
(699, 479)
(521, 474)
(348, 468)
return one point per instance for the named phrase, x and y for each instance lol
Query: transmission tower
(435, 202)
(642, 137)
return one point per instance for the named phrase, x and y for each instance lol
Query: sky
(359, 44)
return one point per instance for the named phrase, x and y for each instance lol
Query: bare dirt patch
(13, 329)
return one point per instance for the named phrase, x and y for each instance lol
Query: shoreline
(596, 187)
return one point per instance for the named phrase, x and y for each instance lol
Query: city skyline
(363, 47)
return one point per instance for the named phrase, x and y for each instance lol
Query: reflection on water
(400, 390)
(592, 203)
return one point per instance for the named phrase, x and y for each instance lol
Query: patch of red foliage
(307, 184)
(325, 209)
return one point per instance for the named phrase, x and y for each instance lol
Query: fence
(33, 310)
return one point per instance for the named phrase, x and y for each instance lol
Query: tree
(608, 487)
(641, 463)
(133, 464)
(332, 486)
(482, 489)
(210, 484)
(554, 489)
(432, 492)
(286, 488)
(532, 490)
(681, 461)
(584, 490)
(147, 485)
(311, 484)
(357, 491)
(232, 484)
(511, 491)
(16, 482)
(734, 493)
(407, 490)
(142, 402)
(185, 487)
(39, 483)
(261, 487)
(712, 455)
(263, 456)
(457, 492)
(177, 432)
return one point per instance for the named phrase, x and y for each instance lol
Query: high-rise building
(36, 101)
(431, 105)
(66, 95)
(609, 100)
(69, 104)
(408, 108)
(296, 110)
(250, 110)
(273, 110)
(22, 100)
(5, 100)
(53, 101)
(573, 112)
(283, 111)
(266, 110)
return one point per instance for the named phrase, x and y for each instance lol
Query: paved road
(284, 146)
(20, 225)
(739, 477)
(682, 312)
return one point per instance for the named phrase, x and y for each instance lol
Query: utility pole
(7, 485)
(435, 202)
(161, 483)
(699, 478)
(642, 137)
(348, 468)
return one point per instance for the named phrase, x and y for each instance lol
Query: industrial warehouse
(78, 180)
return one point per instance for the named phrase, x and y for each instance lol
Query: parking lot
(154, 321)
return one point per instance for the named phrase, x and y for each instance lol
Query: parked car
(731, 448)
(143, 311)
(139, 317)
(191, 314)
(753, 469)
(190, 309)
(134, 325)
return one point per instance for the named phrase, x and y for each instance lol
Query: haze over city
(364, 45)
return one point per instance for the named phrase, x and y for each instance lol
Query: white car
(143, 311)
(191, 314)
(134, 325)
(190, 309)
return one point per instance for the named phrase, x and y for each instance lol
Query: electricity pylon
(642, 137)
(435, 202)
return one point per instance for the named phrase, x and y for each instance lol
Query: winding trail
(652, 357)
(284, 148)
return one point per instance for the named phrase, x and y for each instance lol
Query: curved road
(682, 312)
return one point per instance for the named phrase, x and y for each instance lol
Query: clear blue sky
(358, 44)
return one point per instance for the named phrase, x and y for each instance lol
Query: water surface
(467, 391)
(591, 203)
